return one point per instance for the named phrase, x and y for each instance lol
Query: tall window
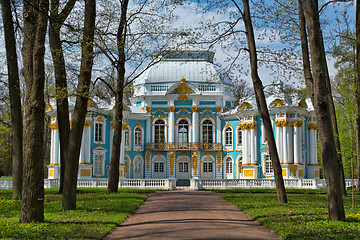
(137, 137)
(207, 167)
(127, 137)
(98, 135)
(159, 167)
(99, 163)
(228, 136)
(268, 164)
(159, 136)
(207, 132)
(183, 131)
(239, 137)
(229, 166)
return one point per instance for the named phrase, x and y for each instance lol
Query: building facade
(183, 124)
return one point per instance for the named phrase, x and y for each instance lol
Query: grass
(97, 214)
(303, 217)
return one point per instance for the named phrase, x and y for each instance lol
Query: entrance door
(183, 170)
(229, 168)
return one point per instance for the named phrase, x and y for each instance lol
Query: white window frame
(239, 165)
(228, 138)
(205, 161)
(238, 144)
(100, 121)
(136, 145)
(128, 144)
(99, 154)
(213, 130)
(141, 166)
(154, 128)
(267, 163)
(159, 160)
(178, 129)
(127, 167)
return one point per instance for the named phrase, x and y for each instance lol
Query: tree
(115, 154)
(322, 109)
(56, 21)
(358, 86)
(261, 102)
(15, 100)
(79, 114)
(33, 51)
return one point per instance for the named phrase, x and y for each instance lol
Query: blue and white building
(183, 124)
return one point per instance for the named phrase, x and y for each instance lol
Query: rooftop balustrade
(178, 146)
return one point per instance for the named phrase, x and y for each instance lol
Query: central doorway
(183, 167)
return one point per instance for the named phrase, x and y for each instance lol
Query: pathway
(189, 215)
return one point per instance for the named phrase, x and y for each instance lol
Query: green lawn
(303, 217)
(97, 214)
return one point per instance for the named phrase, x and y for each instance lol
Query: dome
(195, 65)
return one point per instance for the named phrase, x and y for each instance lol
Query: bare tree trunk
(358, 88)
(72, 159)
(115, 153)
(322, 112)
(15, 99)
(56, 21)
(33, 50)
(334, 123)
(261, 102)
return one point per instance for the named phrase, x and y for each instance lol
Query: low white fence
(195, 184)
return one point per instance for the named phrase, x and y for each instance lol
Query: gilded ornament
(195, 109)
(148, 109)
(49, 108)
(194, 159)
(246, 106)
(172, 158)
(297, 123)
(292, 169)
(278, 103)
(312, 126)
(183, 88)
(54, 126)
(218, 157)
(302, 104)
(182, 98)
(88, 123)
(171, 109)
(99, 119)
(218, 109)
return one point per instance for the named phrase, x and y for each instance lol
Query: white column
(111, 139)
(278, 142)
(313, 146)
(148, 129)
(246, 147)
(297, 145)
(82, 148)
(218, 129)
(285, 145)
(56, 147)
(289, 140)
(122, 148)
(53, 147)
(171, 125)
(195, 124)
(252, 146)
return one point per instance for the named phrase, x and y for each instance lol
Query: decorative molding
(172, 160)
(218, 158)
(278, 103)
(171, 109)
(195, 109)
(54, 126)
(246, 106)
(147, 158)
(297, 123)
(250, 125)
(148, 109)
(312, 126)
(218, 109)
(282, 123)
(88, 123)
(292, 169)
(194, 161)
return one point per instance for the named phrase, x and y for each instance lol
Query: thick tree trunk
(358, 87)
(33, 50)
(15, 99)
(262, 106)
(56, 21)
(322, 112)
(78, 120)
(115, 154)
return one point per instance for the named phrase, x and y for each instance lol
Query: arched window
(268, 164)
(183, 131)
(99, 131)
(127, 137)
(228, 137)
(159, 135)
(207, 131)
(239, 137)
(229, 166)
(137, 137)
